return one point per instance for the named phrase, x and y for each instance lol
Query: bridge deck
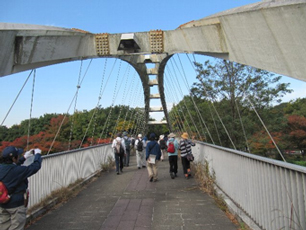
(130, 201)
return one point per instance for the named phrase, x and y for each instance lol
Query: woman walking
(153, 155)
(172, 154)
(185, 147)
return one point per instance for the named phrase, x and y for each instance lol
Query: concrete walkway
(129, 201)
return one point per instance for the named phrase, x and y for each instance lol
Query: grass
(110, 163)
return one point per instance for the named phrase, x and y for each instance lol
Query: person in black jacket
(15, 177)
(153, 155)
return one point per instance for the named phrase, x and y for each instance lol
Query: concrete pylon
(139, 62)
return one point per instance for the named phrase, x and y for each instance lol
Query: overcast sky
(55, 86)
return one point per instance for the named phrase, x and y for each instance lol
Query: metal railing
(62, 169)
(272, 193)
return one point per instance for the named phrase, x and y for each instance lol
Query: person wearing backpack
(127, 142)
(119, 152)
(145, 142)
(14, 176)
(162, 144)
(139, 146)
(185, 147)
(153, 155)
(172, 150)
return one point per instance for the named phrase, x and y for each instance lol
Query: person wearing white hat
(139, 146)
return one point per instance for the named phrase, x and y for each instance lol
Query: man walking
(139, 151)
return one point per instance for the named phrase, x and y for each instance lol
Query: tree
(297, 131)
(230, 87)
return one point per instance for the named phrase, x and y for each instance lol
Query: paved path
(129, 201)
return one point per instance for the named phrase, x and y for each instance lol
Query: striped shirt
(185, 147)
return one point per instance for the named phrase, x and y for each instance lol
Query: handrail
(62, 169)
(272, 193)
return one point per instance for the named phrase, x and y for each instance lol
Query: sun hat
(139, 135)
(161, 137)
(171, 135)
(11, 151)
(185, 135)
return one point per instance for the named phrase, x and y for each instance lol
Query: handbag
(190, 157)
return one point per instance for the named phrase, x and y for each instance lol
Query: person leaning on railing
(14, 176)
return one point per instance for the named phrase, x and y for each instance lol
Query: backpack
(133, 142)
(171, 148)
(140, 145)
(127, 143)
(4, 196)
(162, 144)
(119, 149)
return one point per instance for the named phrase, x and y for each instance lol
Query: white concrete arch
(269, 35)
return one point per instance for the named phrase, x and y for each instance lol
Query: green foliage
(64, 132)
(226, 93)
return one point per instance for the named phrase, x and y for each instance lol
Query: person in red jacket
(14, 175)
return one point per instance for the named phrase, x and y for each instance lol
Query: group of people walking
(16, 166)
(150, 152)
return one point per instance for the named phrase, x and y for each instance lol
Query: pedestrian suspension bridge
(270, 35)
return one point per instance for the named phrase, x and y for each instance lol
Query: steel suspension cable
(204, 88)
(95, 110)
(98, 103)
(188, 88)
(175, 112)
(184, 102)
(263, 124)
(198, 111)
(112, 105)
(123, 95)
(139, 116)
(134, 106)
(17, 97)
(178, 104)
(75, 95)
(75, 105)
(111, 108)
(179, 87)
(32, 98)
(180, 109)
(243, 129)
(131, 87)
(201, 80)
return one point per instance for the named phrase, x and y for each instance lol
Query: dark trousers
(186, 164)
(126, 159)
(173, 164)
(119, 161)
